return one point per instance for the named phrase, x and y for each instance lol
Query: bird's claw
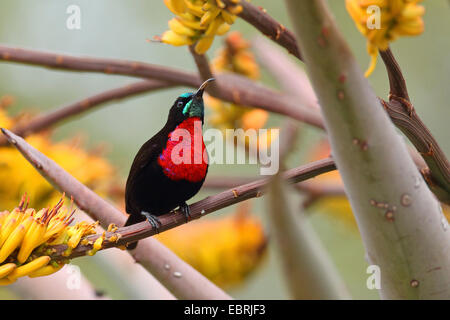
(186, 210)
(153, 220)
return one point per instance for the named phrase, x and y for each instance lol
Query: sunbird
(167, 170)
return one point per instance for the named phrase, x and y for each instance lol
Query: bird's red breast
(185, 157)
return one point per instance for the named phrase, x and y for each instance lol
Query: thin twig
(53, 117)
(204, 70)
(403, 114)
(199, 209)
(316, 188)
(149, 252)
(397, 82)
(313, 191)
(268, 26)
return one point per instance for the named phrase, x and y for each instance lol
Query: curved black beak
(199, 93)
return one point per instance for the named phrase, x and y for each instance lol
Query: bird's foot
(153, 220)
(186, 210)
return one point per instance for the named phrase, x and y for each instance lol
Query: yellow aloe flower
(17, 176)
(198, 21)
(225, 250)
(25, 235)
(383, 21)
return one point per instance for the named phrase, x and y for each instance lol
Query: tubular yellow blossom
(75, 233)
(179, 28)
(30, 267)
(198, 21)
(226, 250)
(176, 39)
(6, 282)
(11, 222)
(12, 242)
(383, 21)
(97, 245)
(45, 271)
(33, 238)
(222, 29)
(3, 216)
(25, 246)
(176, 6)
(203, 44)
(112, 228)
(6, 269)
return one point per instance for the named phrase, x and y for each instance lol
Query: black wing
(147, 154)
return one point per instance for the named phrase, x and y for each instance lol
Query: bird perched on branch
(171, 167)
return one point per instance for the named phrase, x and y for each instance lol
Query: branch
(204, 70)
(135, 282)
(234, 88)
(150, 253)
(101, 210)
(397, 82)
(53, 117)
(399, 219)
(200, 208)
(405, 117)
(108, 66)
(268, 26)
(314, 190)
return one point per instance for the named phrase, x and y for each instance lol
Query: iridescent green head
(189, 105)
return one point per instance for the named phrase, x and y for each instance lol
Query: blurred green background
(119, 29)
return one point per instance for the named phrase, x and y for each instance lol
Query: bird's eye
(180, 104)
